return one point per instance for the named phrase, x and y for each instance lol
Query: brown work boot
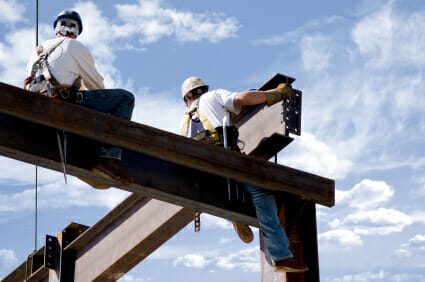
(244, 232)
(289, 265)
(94, 183)
(109, 168)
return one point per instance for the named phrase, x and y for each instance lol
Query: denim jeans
(275, 240)
(116, 102)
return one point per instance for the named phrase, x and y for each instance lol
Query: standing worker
(64, 68)
(204, 121)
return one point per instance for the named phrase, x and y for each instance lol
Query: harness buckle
(79, 97)
(65, 93)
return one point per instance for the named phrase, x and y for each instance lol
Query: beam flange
(163, 145)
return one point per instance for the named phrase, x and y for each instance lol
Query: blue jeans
(116, 102)
(275, 240)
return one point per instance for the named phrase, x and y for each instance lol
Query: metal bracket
(292, 113)
(51, 252)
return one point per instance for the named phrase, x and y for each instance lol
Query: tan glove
(279, 93)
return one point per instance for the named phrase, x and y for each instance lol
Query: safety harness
(211, 135)
(43, 81)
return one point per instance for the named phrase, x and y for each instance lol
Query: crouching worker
(64, 68)
(204, 120)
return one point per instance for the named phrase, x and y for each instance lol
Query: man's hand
(27, 81)
(282, 91)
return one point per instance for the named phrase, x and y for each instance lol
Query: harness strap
(43, 54)
(213, 135)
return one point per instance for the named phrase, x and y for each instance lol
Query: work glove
(282, 91)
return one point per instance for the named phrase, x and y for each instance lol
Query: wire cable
(36, 167)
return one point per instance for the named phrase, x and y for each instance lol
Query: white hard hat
(192, 83)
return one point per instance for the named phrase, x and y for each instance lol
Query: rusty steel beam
(146, 227)
(163, 145)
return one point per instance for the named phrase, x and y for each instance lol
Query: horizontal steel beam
(149, 176)
(162, 145)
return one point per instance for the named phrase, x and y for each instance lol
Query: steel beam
(163, 145)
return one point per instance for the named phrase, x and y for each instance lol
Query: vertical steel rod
(36, 168)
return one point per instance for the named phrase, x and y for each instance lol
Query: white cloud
(402, 253)
(130, 278)
(380, 221)
(298, 33)
(14, 55)
(360, 214)
(11, 11)
(363, 277)
(55, 194)
(97, 36)
(224, 241)
(7, 257)
(366, 194)
(418, 217)
(161, 110)
(247, 260)
(387, 32)
(407, 277)
(152, 22)
(315, 52)
(312, 154)
(418, 240)
(342, 237)
(213, 222)
(191, 260)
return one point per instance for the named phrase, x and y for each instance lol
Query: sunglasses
(68, 23)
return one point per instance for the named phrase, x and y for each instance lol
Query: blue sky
(360, 67)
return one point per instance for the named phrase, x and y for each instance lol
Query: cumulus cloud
(297, 34)
(11, 11)
(363, 277)
(361, 214)
(14, 55)
(98, 38)
(7, 257)
(131, 278)
(381, 221)
(418, 216)
(191, 260)
(418, 240)
(315, 53)
(152, 22)
(247, 260)
(313, 155)
(413, 250)
(389, 31)
(343, 237)
(55, 194)
(350, 102)
(157, 109)
(365, 194)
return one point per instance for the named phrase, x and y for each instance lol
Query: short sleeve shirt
(212, 106)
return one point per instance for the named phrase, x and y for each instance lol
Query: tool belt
(68, 94)
(232, 135)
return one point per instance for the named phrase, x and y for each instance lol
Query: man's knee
(127, 96)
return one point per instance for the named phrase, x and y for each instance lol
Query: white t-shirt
(212, 106)
(71, 59)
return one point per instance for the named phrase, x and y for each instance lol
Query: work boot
(94, 183)
(288, 265)
(109, 168)
(296, 263)
(244, 232)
